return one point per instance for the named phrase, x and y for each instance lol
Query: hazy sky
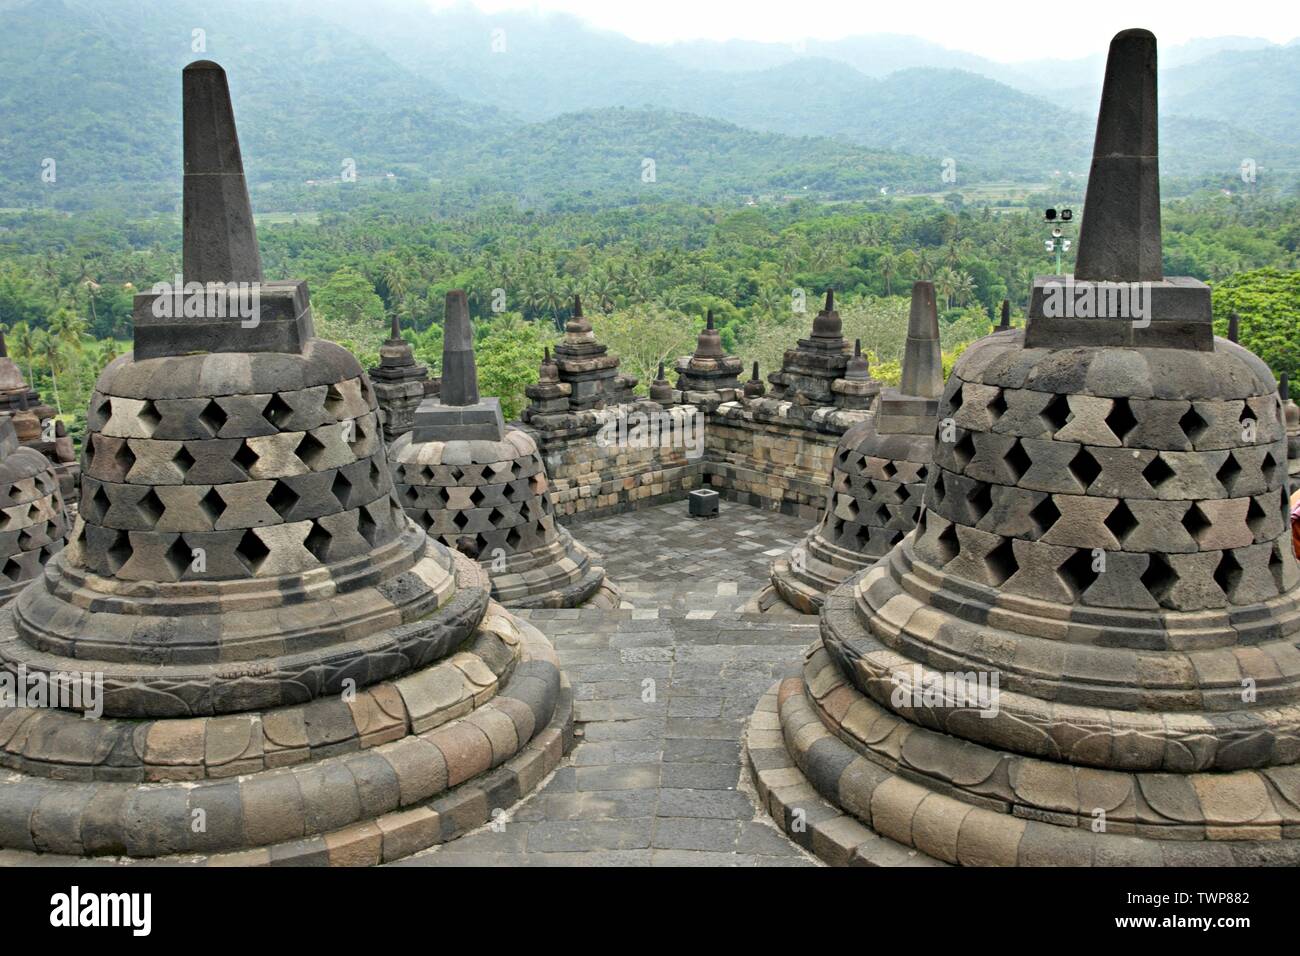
(1005, 30)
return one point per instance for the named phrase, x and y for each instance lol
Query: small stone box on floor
(703, 503)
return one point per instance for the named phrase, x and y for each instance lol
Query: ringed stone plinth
(33, 520)
(272, 647)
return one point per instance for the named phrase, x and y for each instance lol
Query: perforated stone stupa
(284, 654)
(1086, 652)
(36, 424)
(474, 484)
(33, 520)
(879, 475)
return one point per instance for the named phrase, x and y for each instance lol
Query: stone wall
(591, 476)
(767, 453)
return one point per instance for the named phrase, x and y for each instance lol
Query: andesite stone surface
(33, 520)
(281, 649)
(38, 426)
(1106, 536)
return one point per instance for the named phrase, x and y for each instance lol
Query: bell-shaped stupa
(476, 485)
(878, 479)
(33, 520)
(273, 647)
(1086, 652)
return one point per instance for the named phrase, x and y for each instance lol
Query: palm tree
(963, 289)
(22, 345)
(49, 350)
(945, 283)
(924, 264)
(888, 269)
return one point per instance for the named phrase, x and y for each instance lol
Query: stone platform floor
(662, 689)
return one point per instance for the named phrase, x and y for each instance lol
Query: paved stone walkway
(663, 689)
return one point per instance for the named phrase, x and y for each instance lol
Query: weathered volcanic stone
(709, 371)
(1085, 652)
(38, 426)
(458, 413)
(273, 640)
(33, 521)
(879, 474)
(399, 382)
(480, 489)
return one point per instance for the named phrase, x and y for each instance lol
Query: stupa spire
(220, 240)
(922, 358)
(459, 373)
(1234, 326)
(1006, 316)
(1119, 238)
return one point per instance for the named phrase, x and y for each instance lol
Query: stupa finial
(459, 373)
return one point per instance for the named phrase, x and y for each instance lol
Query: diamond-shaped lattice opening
(183, 461)
(213, 417)
(105, 409)
(889, 469)
(12, 570)
(981, 499)
(1157, 472)
(949, 545)
(1001, 562)
(922, 473)
(88, 452)
(1077, 572)
(251, 551)
(1247, 414)
(495, 517)
(282, 498)
(1121, 420)
(444, 496)
(1120, 521)
(1192, 424)
(460, 520)
(937, 490)
(375, 474)
(1269, 467)
(101, 504)
(245, 458)
(124, 458)
(366, 526)
(1084, 468)
(318, 542)
(212, 505)
(1228, 472)
(1044, 515)
(179, 557)
(149, 416)
(1057, 412)
(119, 552)
(34, 511)
(513, 538)
(277, 411)
(476, 496)
(955, 402)
(903, 494)
(1256, 518)
(883, 515)
(341, 489)
(1228, 574)
(411, 495)
(310, 451)
(1195, 521)
(869, 488)
(964, 450)
(335, 403)
(1159, 577)
(457, 475)
(852, 506)
(151, 507)
(998, 406)
(359, 437)
(1018, 460)
(843, 457)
